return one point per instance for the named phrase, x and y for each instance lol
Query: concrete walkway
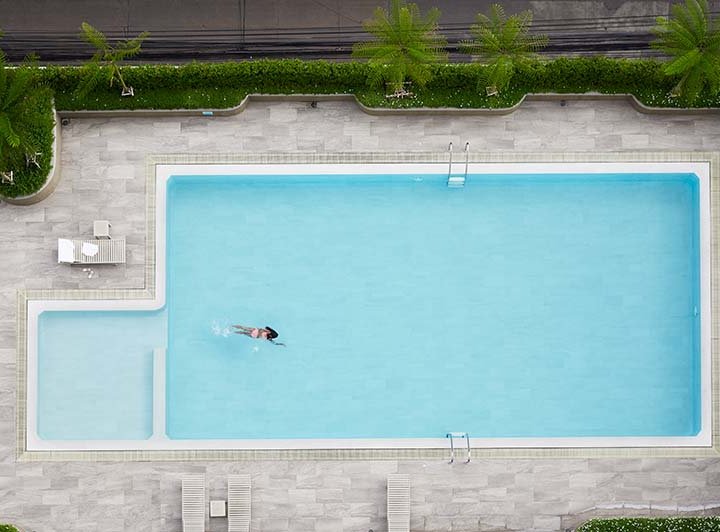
(104, 178)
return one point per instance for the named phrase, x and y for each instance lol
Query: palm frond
(92, 72)
(3, 78)
(501, 41)
(18, 86)
(129, 48)
(683, 63)
(403, 42)
(691, 39)
(375, 77)
(692, 84)
(497, 74)
(93, 36)
(712, 73)
(7, 132)
(20, 94)
(105, 61)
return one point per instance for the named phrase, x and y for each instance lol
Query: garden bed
(650, 524)
(225, 85)
(31, 178)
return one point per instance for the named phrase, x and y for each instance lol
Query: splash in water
(221, 330)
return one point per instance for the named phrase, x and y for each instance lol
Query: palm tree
(692, 39)
(18, 110)
(502, 42)
(105, 62)
(405, 44)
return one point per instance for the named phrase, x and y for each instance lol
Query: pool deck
(104, 177)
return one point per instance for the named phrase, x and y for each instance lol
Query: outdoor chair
(91, 251)
(193, 503)
(239, 503)
(398, 503)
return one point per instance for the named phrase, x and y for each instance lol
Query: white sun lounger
(91, 251)
(239, 503)
(193, 503)
(398, 503)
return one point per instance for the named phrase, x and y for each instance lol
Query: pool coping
(149, 293)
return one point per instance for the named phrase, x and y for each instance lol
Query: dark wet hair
(272, 332)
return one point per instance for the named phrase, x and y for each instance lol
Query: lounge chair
(91, 251)
(398, 503)
(193, 503)
(239, 503)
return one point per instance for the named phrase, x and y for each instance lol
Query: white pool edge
(160, 442)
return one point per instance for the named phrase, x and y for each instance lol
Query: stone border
(54, 176)
(651, 506)
(382, 111)
(52, 179)
(713, 158)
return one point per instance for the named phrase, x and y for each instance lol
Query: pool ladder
(452, 436)
(457, 181)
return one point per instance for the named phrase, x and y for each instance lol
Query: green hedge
(647, 524)
(198, 85)
(8, 528)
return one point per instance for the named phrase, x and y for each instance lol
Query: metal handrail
(450, 161)
(467, 157)
(453, 435)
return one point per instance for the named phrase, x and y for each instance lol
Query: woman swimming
(264, 333)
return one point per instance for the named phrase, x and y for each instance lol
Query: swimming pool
(538, 305)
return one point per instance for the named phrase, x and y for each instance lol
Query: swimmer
(265, 333)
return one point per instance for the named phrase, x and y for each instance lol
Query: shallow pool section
(554, 308)
(95, 374)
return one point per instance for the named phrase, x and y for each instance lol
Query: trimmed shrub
(198, 85)
(209, 85)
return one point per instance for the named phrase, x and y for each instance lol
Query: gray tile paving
(103, 177)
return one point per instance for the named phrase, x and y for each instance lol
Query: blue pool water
(519, 306)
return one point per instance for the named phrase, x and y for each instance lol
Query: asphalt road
(182, 30)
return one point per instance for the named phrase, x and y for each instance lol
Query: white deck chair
(239, 503)
(398, 503)
(91, 251)
(193, 503)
